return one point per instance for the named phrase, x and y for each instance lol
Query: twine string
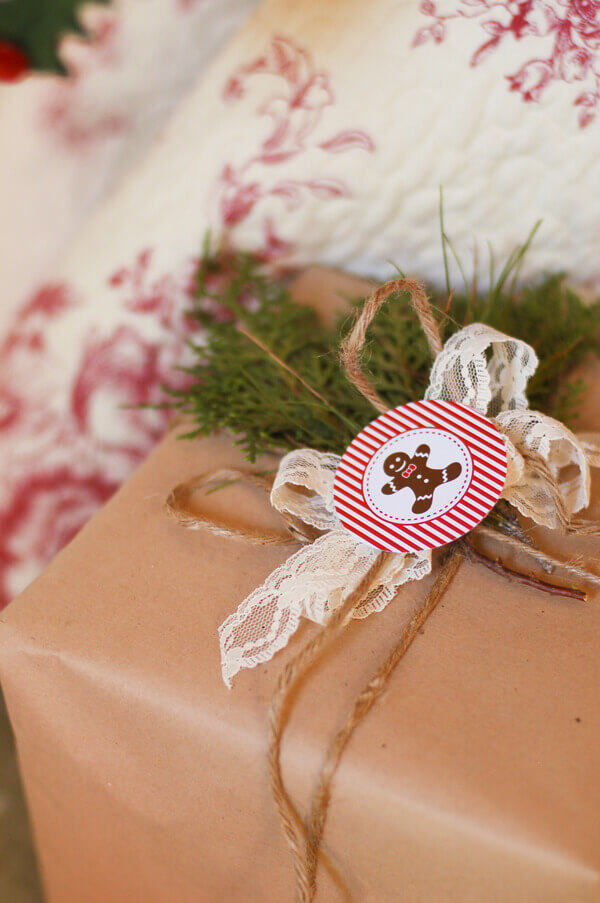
(543, 558)
(351, 358)
(305, 838)
(361, 707)
(574, 526)
(293, 826)
(351, 353)
(179, 508)
(352, 346)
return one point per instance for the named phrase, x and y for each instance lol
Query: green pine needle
(283, 387)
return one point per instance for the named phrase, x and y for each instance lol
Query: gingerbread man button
(420, 476)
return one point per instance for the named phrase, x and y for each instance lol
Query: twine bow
(334, 577)
(479, 367)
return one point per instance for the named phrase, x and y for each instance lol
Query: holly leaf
(36, 26)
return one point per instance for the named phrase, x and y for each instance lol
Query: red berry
(13, 62)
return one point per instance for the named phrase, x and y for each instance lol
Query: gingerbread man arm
(451, 472)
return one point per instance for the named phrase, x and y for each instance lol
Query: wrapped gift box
(475, 779)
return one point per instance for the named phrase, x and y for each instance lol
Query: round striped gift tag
(420, 476)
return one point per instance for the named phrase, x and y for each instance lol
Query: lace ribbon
(336, 577)
(479, 367)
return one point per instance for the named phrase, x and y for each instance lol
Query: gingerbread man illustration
(415, 474)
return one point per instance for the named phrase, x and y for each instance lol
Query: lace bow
(479, 367)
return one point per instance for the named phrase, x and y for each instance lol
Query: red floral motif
(165, 298)
(300, 96)
(24, 357)
(32, 319)
(65, 452)
(10, 409)
(123, 372)
(76, 122)
(46, 509)
(117, 375)
(568, 29)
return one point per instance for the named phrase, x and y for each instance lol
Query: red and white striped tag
(420, 476)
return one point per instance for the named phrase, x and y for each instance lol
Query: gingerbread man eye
(395, 463)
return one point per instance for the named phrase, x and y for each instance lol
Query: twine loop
(304, 836)
(352, 346)
(179, 508)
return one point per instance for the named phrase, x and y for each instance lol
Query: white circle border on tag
(449, 430)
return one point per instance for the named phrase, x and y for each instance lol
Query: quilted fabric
(67, 142)
(321, 133)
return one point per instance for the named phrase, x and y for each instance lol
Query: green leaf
(36, 26)
(265, 390)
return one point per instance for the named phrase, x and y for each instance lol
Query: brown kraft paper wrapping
(476, 779)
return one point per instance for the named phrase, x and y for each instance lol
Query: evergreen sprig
(36, 27)
(267, 369)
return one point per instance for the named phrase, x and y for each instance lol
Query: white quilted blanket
(321, 132)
